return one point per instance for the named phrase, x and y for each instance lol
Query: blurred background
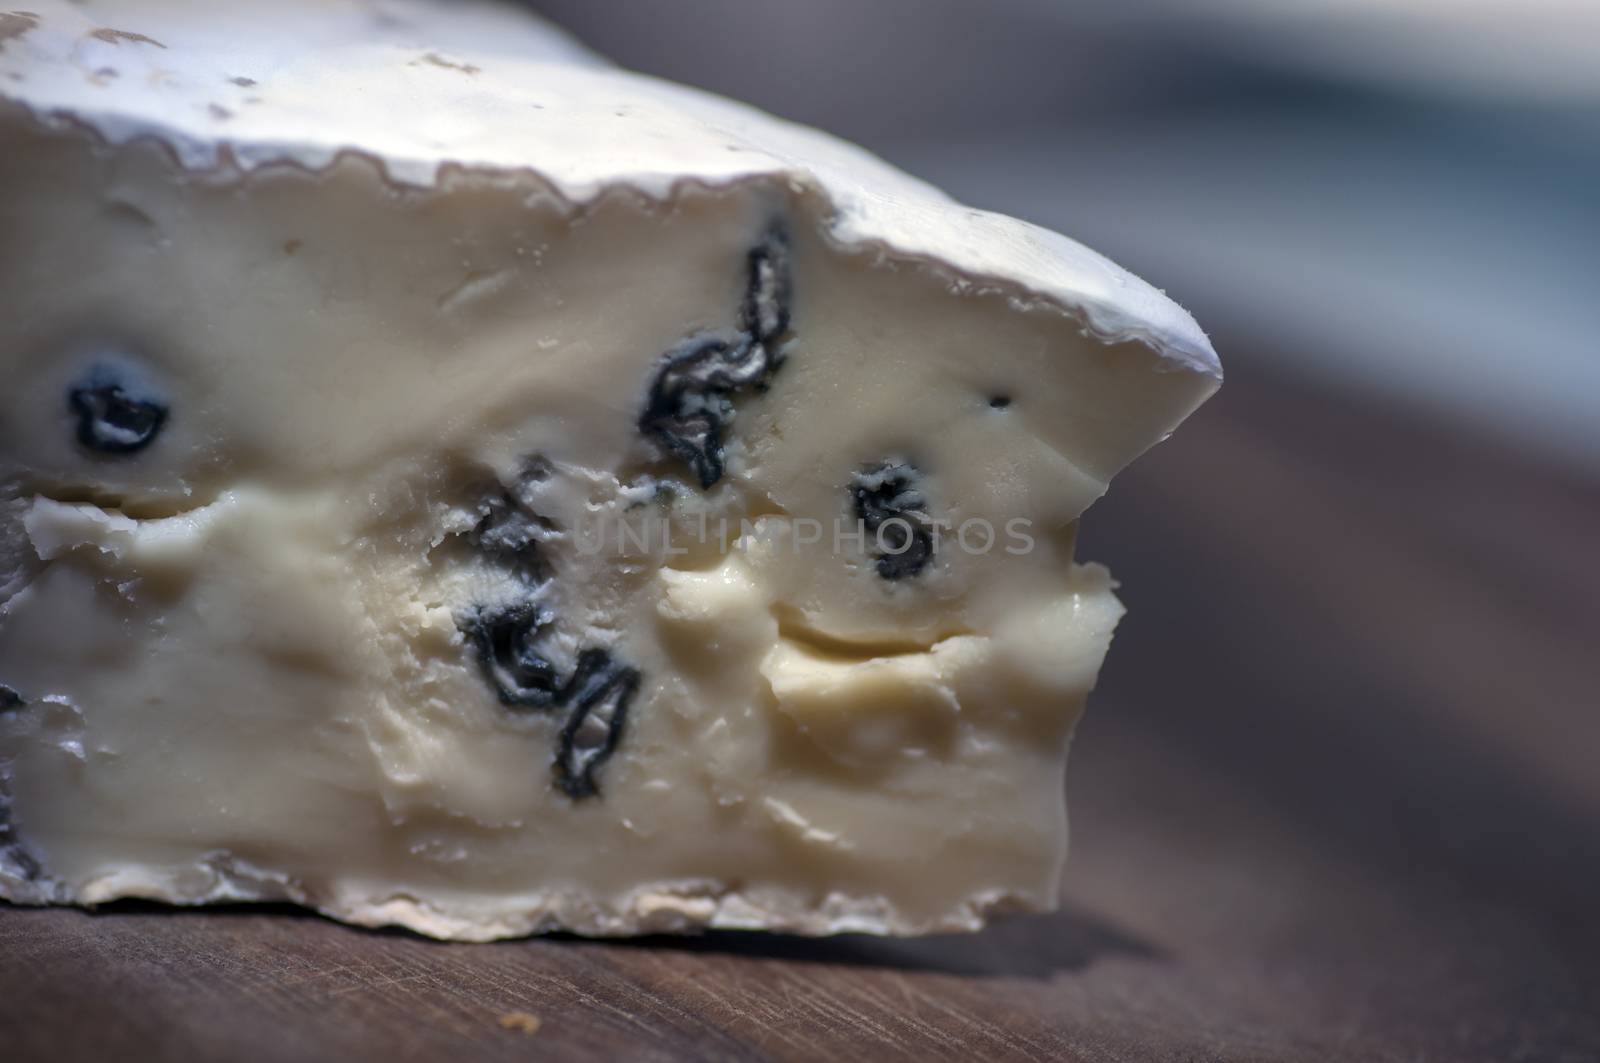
(1400, 196)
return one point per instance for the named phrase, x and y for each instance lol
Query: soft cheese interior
(473, 560)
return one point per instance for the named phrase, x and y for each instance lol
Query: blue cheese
(448, 481)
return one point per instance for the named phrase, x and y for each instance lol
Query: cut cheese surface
(447, 481)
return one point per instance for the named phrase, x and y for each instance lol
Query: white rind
(662, 908)
(422, 88)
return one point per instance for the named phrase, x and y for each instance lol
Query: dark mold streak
(113, 418)
(601, 692)
(510, 647)
(893, 511)
(509, 533)
(691, 398)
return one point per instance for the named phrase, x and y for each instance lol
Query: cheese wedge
(448, 481)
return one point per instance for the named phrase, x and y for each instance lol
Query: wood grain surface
(1337, 798)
